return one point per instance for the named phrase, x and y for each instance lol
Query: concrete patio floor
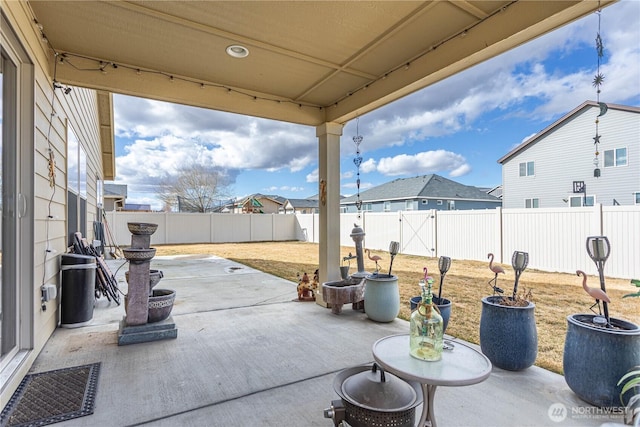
(249, 354)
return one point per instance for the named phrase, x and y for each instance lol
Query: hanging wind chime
(358, 161)
(598, 80)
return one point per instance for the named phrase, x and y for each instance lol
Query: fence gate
(418, 233)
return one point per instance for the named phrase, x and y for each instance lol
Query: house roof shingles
(424, 186)
(303, 203)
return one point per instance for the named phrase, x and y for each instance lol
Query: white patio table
(459, 366)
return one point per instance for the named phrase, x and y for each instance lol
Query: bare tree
(193, 189)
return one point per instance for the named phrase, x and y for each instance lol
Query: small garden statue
(305, 288)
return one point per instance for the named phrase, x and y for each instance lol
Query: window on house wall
(527, 168)
(367, 207)
(387, 206)
(578, 201)
(531, 203)
(99, 192)
(451, 205)
(615, 157)
(76, 186)
(439, 203)
(408, 205)
(636, 197)
(425, 201)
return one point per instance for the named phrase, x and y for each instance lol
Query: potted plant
(630, 383)
(508, 334)
(381, 293)
(444, 304)
(599, 349)
(630, 393)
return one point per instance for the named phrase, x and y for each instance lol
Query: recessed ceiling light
(237, 51)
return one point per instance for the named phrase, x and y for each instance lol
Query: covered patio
(249, 353)
(313, 63)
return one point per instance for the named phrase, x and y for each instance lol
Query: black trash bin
(77, 289)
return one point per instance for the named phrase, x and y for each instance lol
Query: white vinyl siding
(565, 154)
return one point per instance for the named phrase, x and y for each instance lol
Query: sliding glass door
(16, 202)
(9, 206)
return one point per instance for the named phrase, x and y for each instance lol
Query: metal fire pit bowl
(399, 397)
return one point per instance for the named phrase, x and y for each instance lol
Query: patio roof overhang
(309, 62)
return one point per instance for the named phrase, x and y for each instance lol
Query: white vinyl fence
(174, 227)
(555, 238)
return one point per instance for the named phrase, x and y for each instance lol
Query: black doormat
(53, 396)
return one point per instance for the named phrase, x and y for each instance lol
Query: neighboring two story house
(556, 167)
(421, 193)
(259, 203)
(115, 196)
(301, 206)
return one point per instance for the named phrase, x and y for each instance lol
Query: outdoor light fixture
(237, 51)
(444, 263)
(598, 248)
(394, 248)
(519, 261)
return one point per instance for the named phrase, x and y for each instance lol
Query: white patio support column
(329, 202)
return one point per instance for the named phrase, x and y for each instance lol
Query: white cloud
(220, 140)
(424, 163)
(368, 166)
(511, 81)
(313, 176)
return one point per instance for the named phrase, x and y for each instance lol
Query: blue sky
(457, 128)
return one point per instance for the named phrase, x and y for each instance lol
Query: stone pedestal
(140, 241)
(136, 326)
(137, 307)
(162, 330)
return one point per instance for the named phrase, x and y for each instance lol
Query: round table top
(458, 367)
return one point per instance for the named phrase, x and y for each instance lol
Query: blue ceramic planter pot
(596, 358)
(444, 305)
(508, 335)
(381, 297)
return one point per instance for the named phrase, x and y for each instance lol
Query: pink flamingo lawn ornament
(596, 293)
(496, 270)
(374, 258)
(427, 278)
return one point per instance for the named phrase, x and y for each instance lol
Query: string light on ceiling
(241, 51)
(103, 66)
(598, 80)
